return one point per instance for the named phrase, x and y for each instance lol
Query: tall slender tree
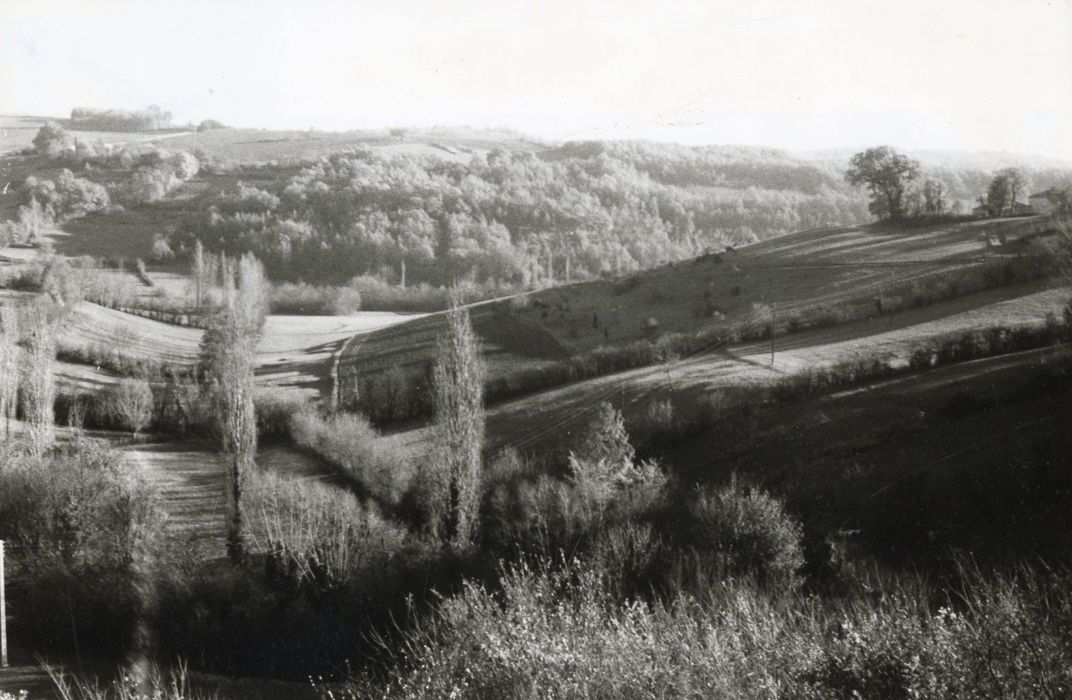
(38, 387)
(9, 365)
(458, 381)
(198, 271)
(230, 347)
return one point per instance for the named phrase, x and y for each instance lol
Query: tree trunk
(236, 545)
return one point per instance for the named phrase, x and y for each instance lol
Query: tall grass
(156, 684)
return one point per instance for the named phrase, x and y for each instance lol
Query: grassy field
(295, 355)
(257, 146)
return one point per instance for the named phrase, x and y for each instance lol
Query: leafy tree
(458, 383)
(934, 203)
(997, 196)
(887, 175)
(1004, 190)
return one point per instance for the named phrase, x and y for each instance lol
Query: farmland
(865, 394)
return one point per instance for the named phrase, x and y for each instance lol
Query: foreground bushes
(560, 632)
(83, 532)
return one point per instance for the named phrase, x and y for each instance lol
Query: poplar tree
(458, 382)
(9, 365)
(230, 346)
(38, 387)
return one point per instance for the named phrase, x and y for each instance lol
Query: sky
(917, 74)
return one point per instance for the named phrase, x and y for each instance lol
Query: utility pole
(3, 612)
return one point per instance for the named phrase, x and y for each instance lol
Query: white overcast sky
(951, 74)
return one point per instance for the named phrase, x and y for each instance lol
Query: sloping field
(550, 419)
(133, 335)
(256, 146)
(815, 277)
(295, 355)
(964, 456)
(297, 352)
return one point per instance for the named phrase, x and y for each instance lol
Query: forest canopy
(573, 212)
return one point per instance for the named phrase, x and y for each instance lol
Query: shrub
(313, 533)
(745, 533)
(348, 442)
(307, 299)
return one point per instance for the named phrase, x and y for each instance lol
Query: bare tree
(9, 365)
(38, 388)
(131, 404)
(230, 346)
(458, 380)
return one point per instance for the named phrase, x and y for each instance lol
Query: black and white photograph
(489, 349)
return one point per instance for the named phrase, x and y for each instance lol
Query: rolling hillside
(806, 280)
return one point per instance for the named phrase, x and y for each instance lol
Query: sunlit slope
(806, 280)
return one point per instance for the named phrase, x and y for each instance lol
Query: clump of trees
(67, 197)
(1004, 191)
(151, 118)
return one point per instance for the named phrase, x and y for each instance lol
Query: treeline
(149, 119)
(516, 218)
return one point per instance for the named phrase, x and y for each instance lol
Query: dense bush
(312, 300)
(83, 532)
(745, 533)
